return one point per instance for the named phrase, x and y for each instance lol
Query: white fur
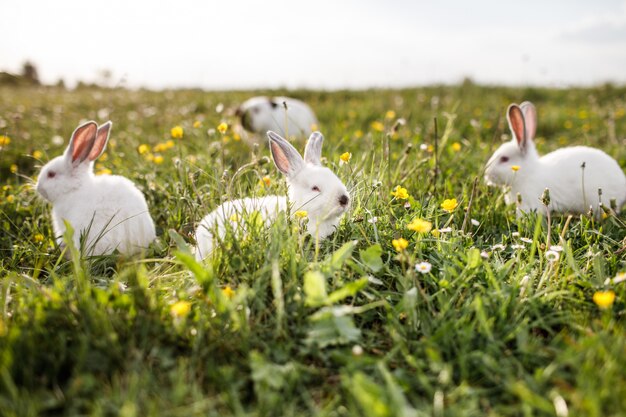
(109, 211)
(572, 189)
(260, 114)
(324, 207)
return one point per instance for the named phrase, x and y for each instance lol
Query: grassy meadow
(504, 316)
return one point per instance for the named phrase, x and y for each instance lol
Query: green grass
(348, 328)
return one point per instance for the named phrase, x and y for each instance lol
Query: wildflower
(373, 220)
(10, 198)
(449, 205)
(169, 144)
(514, 168)
(475, 222)
(420, 226)
(445, 230)
(143, 149)
(265, 181)
(517, 246)
(13, 168)
(197, 124)
(358, 134)
(552, 256)
(456, 146)
(222, 128)
(619, 277)
(104, 171)
(345, 157)
(236, 137)
(604, 299)
(37, 154)
(38, 238)
(57, 140)
(484, 254)
(4, 140)
(435, 232)
(556, 248)
(158, 159)
(423, 267)
(430, 148)
(177, 132)
(228, 292)
(498, 246)
(357, 350)
(526, 240)
(423, 147)
(515, 234)
(180, 308)
(390, 115)
(225, 139)
(378, 126)
(400, 244)
(301, 214)
(400, 193)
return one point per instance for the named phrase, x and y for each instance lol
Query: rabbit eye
(315, 188)
(52, 174)
(504, 159)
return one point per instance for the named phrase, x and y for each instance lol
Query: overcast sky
(317, 44)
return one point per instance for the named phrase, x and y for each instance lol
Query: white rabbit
(573, 189)
(311, 187)
(108, 210)
(260, 114)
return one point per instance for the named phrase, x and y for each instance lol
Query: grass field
(274, 325)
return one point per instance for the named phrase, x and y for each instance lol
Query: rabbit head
(74, 168)
(312, 187)
(520, 151)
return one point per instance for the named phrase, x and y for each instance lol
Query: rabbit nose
(343, 200)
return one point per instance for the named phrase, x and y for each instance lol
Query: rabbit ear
(286, 158)
(102, 137)
(313, 150)
(81, 143)
(516, 122)
(530, 119)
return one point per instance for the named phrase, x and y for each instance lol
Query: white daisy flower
(552, 256)
(357, 350)
(556, 248)
(423, 267)
(423, 147)
(475, 222)
(515, 234)
(498, 246)
(517, 246)
(484, 254)
(526, 240)
(620, 277)
(445, 230)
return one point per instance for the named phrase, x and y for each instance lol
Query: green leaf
(180, 242)
(372, 257)
(473, 258)
(348, 290)
(342, 254)
(333, 326)
(315, 289)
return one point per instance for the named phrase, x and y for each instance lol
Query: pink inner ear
(82, 141)
(516, 120)
(101, 140)
(280, 159)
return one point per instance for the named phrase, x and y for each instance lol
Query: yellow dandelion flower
(222, 128)
(228, 292)
(358, 134)
(514, 168)
(197, 124)
(180, 308)
(604, 299)
(420, 226)
(177, 132)
(265, 181)
(104, 171)
(378, 126)
(345, 157)
(456, 146)
(236, 137)
(400, 193)
(4, 140)
(37, 154)
(13, 168)
(159, 147)
(38, 238)
(158, 159)
(583, 114)
(149, 157)
(169, 144)
(10, 198)
(430, 148)
(390, 115)
(449, 204)
(301, 214)
(400, 244)
(143, 149)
